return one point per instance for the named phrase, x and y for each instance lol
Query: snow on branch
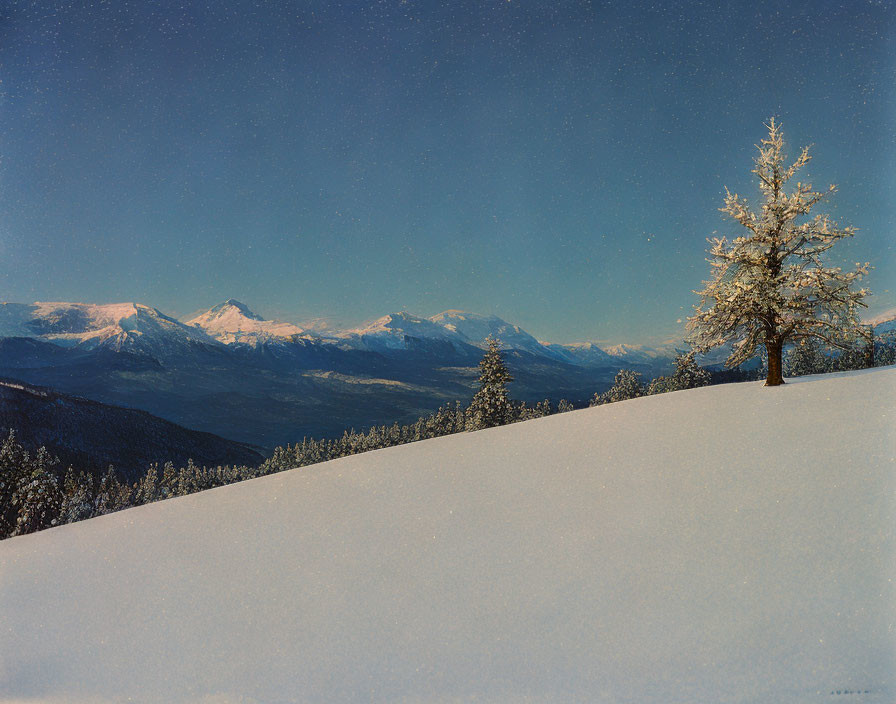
(770, 286)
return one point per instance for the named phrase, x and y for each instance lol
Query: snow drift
(725, 544)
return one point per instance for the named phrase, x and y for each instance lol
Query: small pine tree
(688, 374)
(543, 408)
(660, 385)
(37, 497)
(626, 385)
(885, 351)
(491, 406)
(854, 357)
(147, 489)
(30, 498)
(111, 495)
(168, 482)
(564, 406)
(77, 497)
(13, 466)
(805, 358)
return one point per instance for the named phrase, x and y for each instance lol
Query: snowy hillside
(727, 544)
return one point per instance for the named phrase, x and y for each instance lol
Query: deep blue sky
(559, 164)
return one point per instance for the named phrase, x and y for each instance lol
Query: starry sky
(559, 164)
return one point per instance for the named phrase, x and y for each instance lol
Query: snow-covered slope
(129, 326)
(727, 544)
(233, 322)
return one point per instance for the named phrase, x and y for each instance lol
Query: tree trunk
(775, 350)
(869, 349)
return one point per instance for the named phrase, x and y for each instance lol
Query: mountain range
(138, 328)
(264, 382)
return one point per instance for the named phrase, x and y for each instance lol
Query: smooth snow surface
(728, 544)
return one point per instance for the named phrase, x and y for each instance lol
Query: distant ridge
(90, 435)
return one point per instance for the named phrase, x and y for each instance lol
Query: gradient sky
(559, 164)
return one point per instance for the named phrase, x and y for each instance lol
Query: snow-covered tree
(111, 494)
(38, 497)
(30, 497)
(660, 385)
(885, 349)
(490, 406)
(806, 357)
(626, 385)
(688, 374)
(770, 286)
(77, 497)
(147, 489)
(13, 462)
(168, 481)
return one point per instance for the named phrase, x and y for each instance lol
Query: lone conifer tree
(769, 287)
(490, 406)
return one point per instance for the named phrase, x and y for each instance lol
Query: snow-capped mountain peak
(391, 322)
(231, 305)
(461, 329)
(233, 322)
(390, 332)
(116, 325)
(474, 328)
